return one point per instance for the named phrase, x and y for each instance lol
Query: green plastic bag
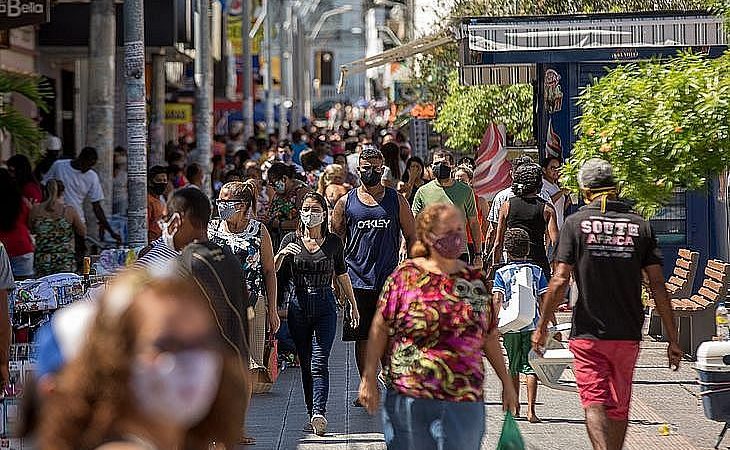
(510, 439)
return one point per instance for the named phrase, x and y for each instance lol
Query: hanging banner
(178, 113)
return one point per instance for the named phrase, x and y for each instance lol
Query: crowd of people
(293, 231)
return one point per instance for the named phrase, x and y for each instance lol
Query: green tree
(468, 110)
(662, 125)
(23, 130)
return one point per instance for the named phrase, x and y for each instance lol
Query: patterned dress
(437, 327)
(54, 251)
(246, 246)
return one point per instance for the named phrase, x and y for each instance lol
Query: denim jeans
(313, 323)
(423, 424)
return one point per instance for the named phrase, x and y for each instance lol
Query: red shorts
(604, 371)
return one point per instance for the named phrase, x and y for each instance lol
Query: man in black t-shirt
(607, 246)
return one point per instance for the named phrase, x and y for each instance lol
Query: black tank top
(529, 214)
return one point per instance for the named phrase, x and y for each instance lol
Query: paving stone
(660, 396)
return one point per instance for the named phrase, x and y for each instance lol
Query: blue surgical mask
(226, 210)
(279, 186)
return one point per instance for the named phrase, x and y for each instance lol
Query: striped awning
(497, 74)
(490, 45)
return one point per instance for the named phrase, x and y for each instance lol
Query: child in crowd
(518, 344)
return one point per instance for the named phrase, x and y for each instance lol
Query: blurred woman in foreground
(153, 374)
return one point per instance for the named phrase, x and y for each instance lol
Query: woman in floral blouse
(434, 321)
(249, 241)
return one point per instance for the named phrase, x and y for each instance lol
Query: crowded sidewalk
(660, 397)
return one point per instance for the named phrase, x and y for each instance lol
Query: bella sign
(19, 13)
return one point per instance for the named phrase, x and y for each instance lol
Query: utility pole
(285, 58)
(247, 103)
(203, 114)
(269, 80)
(157, 118)
(100, 113)
(295, 49)
(136, 121)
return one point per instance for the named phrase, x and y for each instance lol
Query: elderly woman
(331, 184)
(434, 320)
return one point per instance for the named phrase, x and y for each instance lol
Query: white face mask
(179, 388)
(167, 235)
(312, 219)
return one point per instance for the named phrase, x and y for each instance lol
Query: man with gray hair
(607, 246)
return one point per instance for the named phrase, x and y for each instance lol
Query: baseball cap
(596, 173)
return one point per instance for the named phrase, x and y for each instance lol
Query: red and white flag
(492, 172)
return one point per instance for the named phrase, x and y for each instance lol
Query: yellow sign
(234, 36)
(178, 113)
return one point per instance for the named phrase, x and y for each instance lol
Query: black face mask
(442, 171)
(158, 188)
(370, 177)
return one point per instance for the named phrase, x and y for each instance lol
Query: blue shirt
(503, 280)
(373, 239)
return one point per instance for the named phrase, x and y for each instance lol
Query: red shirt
(32, 191)
(17, 241)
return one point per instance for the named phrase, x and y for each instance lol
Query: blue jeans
(422, 424)
(312, 324)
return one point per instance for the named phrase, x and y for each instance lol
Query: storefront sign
(178, 113)
(19, 13)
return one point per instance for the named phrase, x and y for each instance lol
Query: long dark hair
(407, 174)
(11, 201)
(323, 203)
(23, 171)
(391, 155)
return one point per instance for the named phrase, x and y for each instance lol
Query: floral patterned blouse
(437, 326)
(284, 206)
(246, 246)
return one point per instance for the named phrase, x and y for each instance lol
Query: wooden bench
(679, 285)
(695, 315)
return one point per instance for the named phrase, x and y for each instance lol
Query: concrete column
(100, 107)
(203, 91)
(134, 68)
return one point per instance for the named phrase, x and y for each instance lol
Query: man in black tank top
(529, 212)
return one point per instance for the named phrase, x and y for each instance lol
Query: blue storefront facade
(560, 55)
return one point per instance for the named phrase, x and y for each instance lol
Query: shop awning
(393, 55)
(503, 50)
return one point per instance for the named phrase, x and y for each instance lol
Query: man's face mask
(442, 170)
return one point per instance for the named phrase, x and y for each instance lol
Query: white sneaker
(319, 424)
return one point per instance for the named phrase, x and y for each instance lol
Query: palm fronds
(23, 130)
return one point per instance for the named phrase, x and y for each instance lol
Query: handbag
(265, 377)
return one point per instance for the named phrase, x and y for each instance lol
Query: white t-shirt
(78, 185)
(548, 190)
